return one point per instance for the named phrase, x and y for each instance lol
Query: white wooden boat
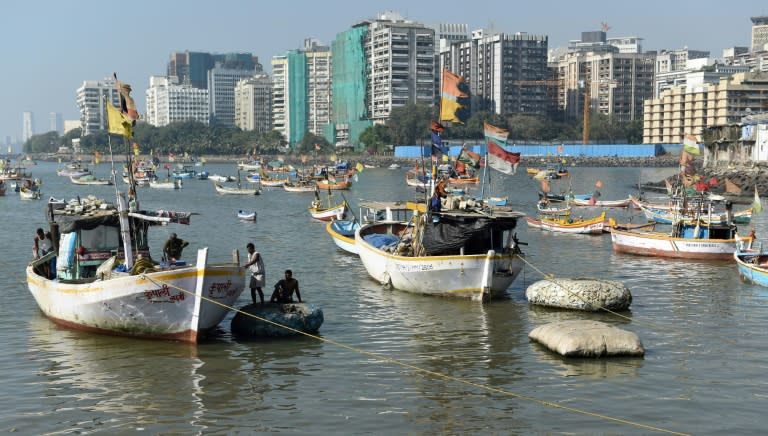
(89, 179)
(586, 201)
(246, 215)
(167, 184)
(436, 254)
(547, 209)
(300, 187)
(26, 193)
(752, 262)
(342, 231)
(567, 224)
(332, 212)
(394, 166)
(221, 179)
(87, 293)
(252, 165)
(686, 241)
(235, 190)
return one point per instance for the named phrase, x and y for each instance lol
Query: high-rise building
(694, 107)
(169, 102)
(379, 64)
(253, 103)
(302, 91)
(760, 33)
(28, 126)
(221, 93)
(401, 60)
(192, 67)
(612, 83)
(55, 122)
(91, 102)
(677, 60)
(502, 71)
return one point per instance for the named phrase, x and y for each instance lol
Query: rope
(434, 373)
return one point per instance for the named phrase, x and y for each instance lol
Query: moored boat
(752, 263)
(167, 184)
(342, 231)
(588, 200)
(334, 184)
(686, 240)
(246, 215)
(89, 179)
(26, 193)
(235, 190)
(566, 224)
(467, 253)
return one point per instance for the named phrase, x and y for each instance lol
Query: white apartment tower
(90, 101)
(253, 103)
(759, 33)
(169, 102)
(28, 126)
(401, 62)
(279, 94)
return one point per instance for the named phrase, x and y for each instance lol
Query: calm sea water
(705, 370)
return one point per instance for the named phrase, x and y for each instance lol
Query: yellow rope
(434, 373)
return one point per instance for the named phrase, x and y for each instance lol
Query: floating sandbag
(579, 338)
(298, 316)
(580, 294)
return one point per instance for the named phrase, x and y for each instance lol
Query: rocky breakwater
(743, 178)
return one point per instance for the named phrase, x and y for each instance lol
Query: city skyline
(50, 54)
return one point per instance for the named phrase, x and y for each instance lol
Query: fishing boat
(342, 231)
(220, 178)
(588, 200)
(249, 165)
(394, 166)
(166, 184)
(90, 291)
(334, 184)
(498, 201)
(752, 262)
(686, 240)
(27, 193)
(567, 224)
(668, 216)
(300, 186)
(269, 182)
(236, 190)
(89, 179)
(73, 169)
(415, 178)
(246, 215)
(104, 279)
(330, 211)
(710, 209)
(545, 208)
(466, 253)
(184, 172)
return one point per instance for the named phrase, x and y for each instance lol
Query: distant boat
(246, 215)
(394, 166)
(235, 190)
(568, 225)
(89, 179)
(168, 184)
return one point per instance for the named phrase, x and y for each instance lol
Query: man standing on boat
(173, 248)
(256, 267)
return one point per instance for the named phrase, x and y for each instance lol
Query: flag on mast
(499, 158)
(451, 97)
(691, 145)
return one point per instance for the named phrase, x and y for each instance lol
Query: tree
(307, 144)
(410, 123)
(43, 143)
(376, 138)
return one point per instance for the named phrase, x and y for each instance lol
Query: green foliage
(307, 144)
(376, 138)
(410, 123)
(43, 143)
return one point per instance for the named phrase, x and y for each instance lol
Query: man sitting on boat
(285, 288)
(439, 194)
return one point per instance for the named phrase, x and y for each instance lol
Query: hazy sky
(50, 47)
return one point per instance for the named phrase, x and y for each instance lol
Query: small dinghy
(301, 317)
(246, 215)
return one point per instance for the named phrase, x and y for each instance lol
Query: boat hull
(333, 213)
(159, 305)
(226, 190)
(450, 276)
(663, 245)
(592, 226)
(752, 267)
(342, 233)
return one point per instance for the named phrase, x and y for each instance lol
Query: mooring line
(433, 373)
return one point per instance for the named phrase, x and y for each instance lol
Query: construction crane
(604, 26)
(588, 103)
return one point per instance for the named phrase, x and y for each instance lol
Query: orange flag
(731, 187)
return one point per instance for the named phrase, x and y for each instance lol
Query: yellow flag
(359, 167)
(118, 123)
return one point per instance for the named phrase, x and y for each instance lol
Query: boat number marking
(221, 289)
(411, 268)
(163, 291)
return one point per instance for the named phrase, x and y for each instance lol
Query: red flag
(502, 160)
(437, 127)
(713, 181)
(701, 186)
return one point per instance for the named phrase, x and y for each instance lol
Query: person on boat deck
(285, 288)
(43, 244)
(439, 194)
(256, 267)
(173, 247)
